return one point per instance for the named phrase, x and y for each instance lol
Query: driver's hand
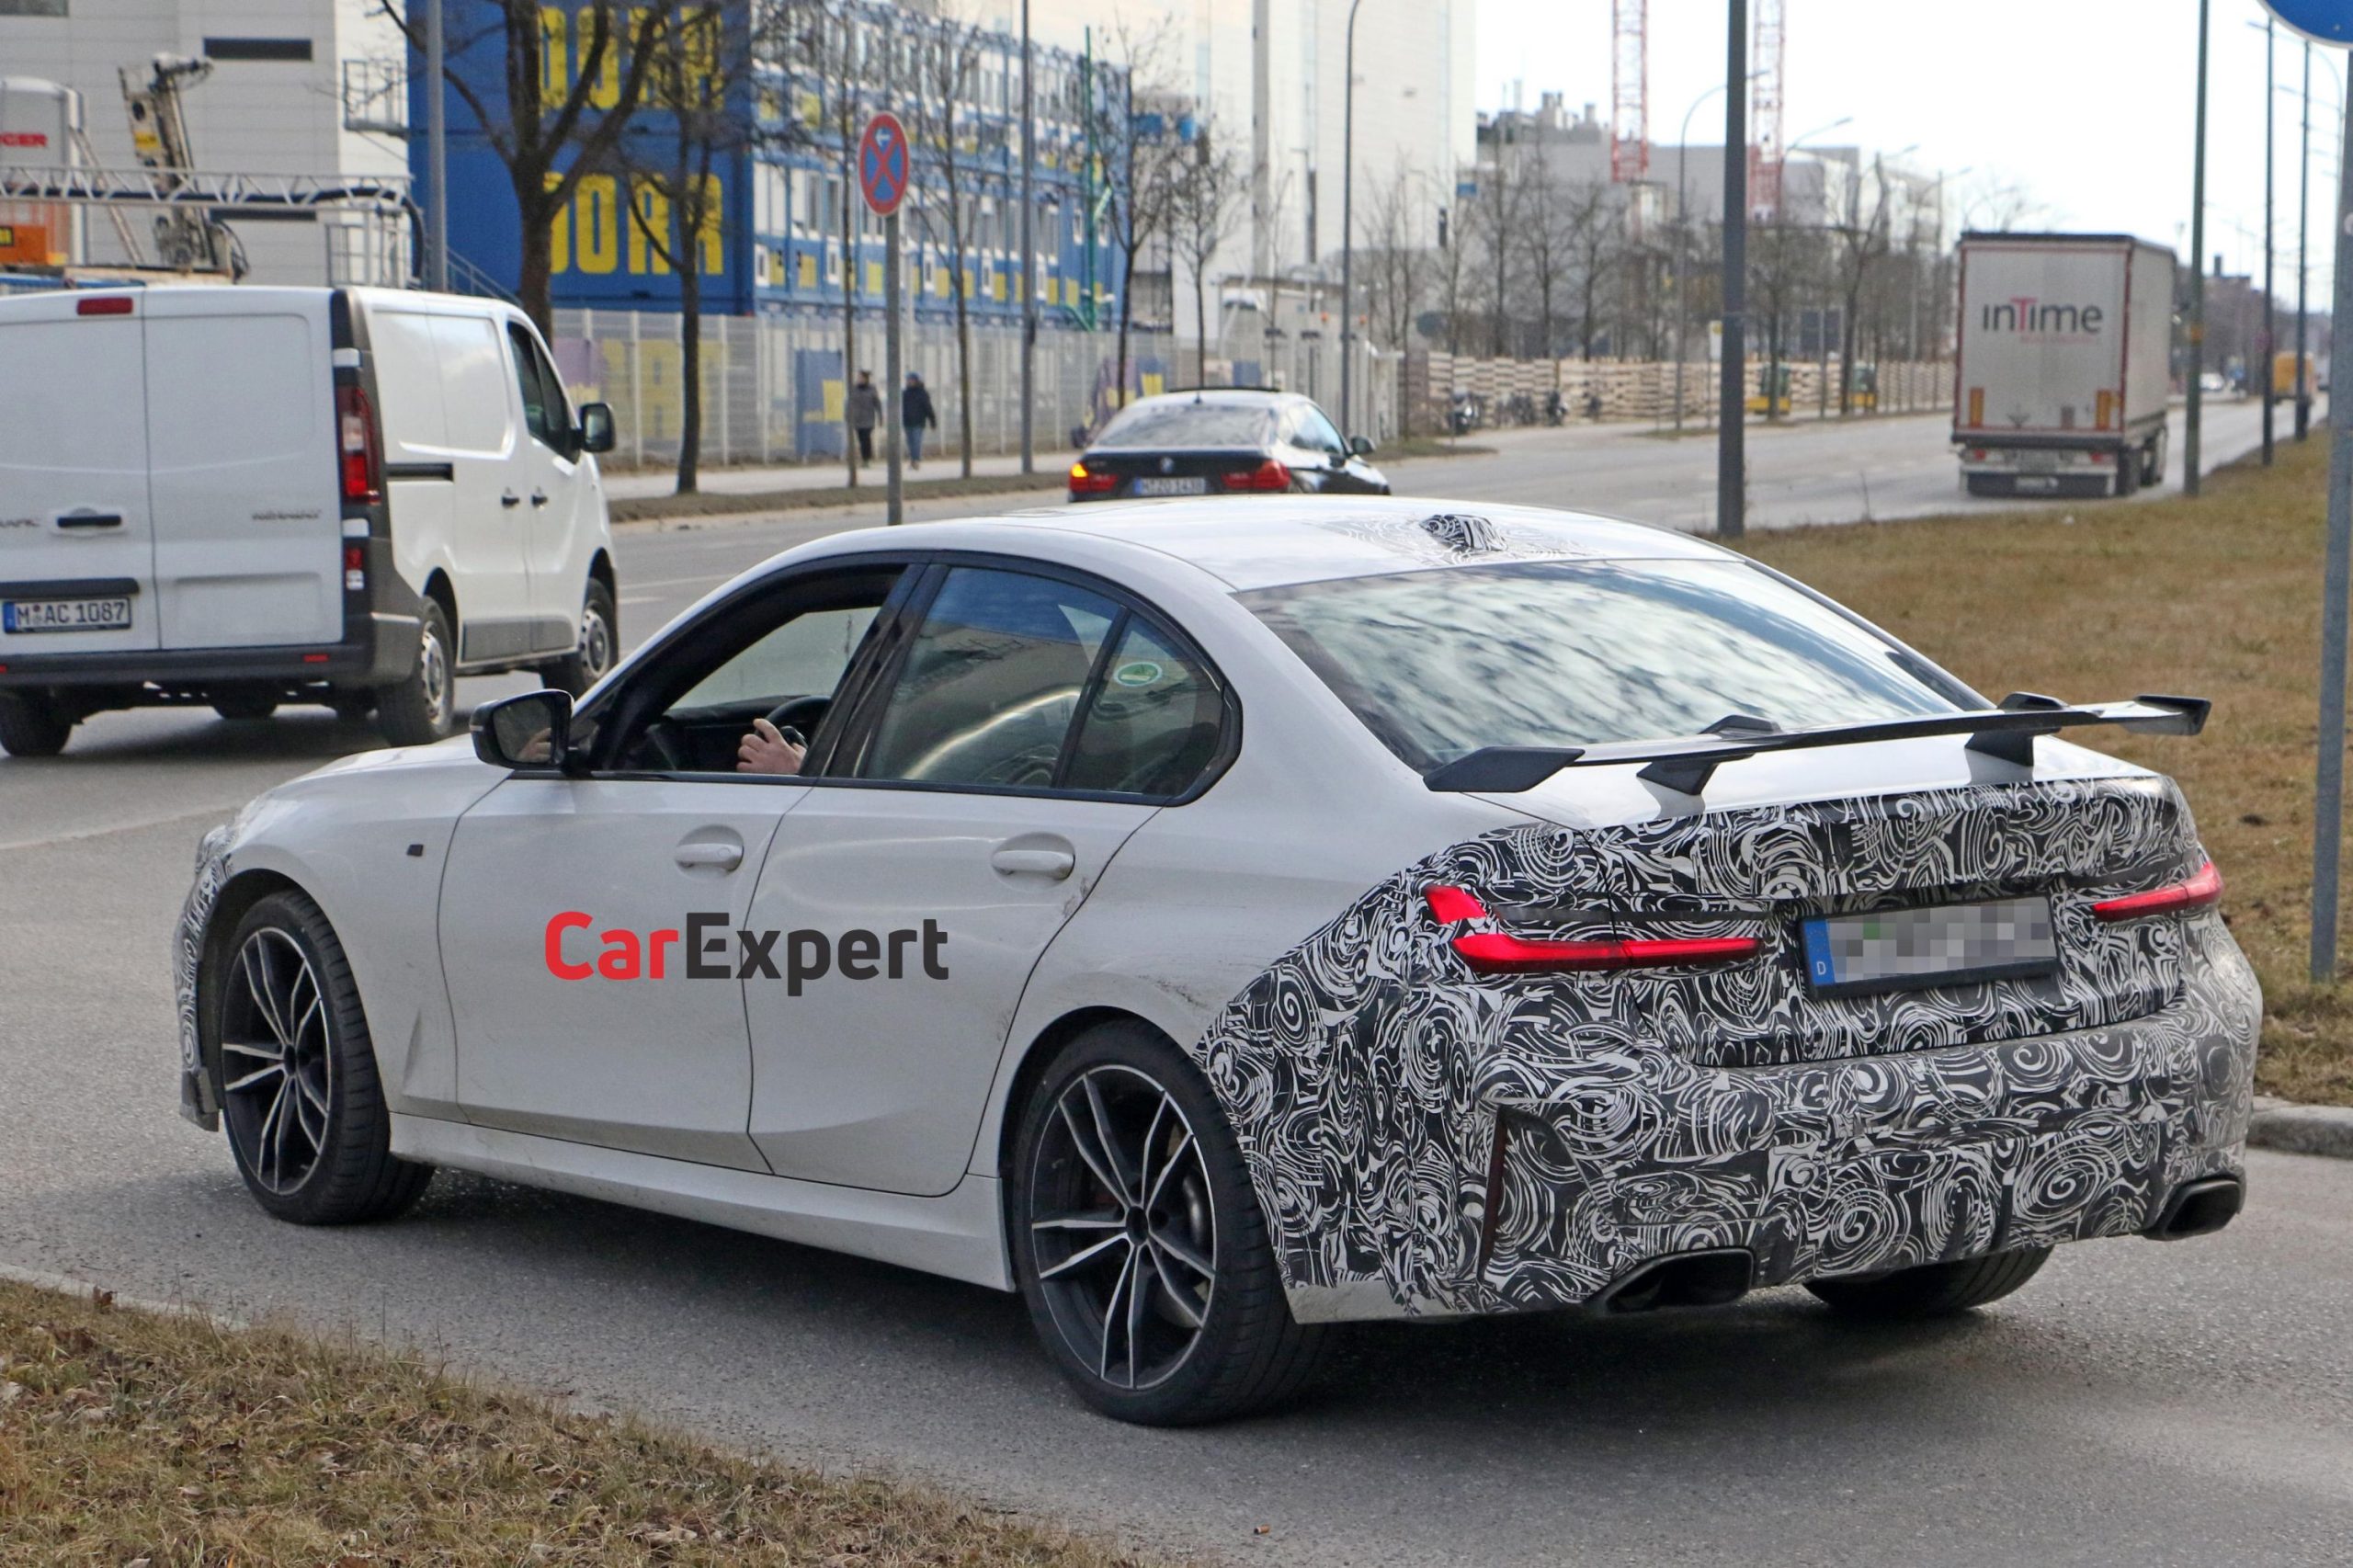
(538, 748)
(766, 751)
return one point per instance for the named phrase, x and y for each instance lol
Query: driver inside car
(771, 750)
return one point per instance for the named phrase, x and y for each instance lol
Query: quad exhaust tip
(1710, 1278)
(2199, 1208)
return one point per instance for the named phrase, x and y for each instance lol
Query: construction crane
(1769, 53)
(1629, 91)
(188, 238)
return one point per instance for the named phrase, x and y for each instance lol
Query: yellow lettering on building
(599, 244)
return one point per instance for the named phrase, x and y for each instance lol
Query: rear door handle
(510, 499)
(1054, 863)
(726, 856)
(89, 519)
(539, 497)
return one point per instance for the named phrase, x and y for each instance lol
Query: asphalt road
(2137, 1403)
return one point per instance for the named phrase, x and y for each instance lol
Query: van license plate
(20, 616)
(1193, 486)
(1896, 949)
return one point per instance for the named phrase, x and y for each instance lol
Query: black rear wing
(1685, 765)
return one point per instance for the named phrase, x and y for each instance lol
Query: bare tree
(1496, 219)
(1206, 203)
(1397, 265)
(1144, 156)
(700, 62)
(1784, 262)
(1590, 224)
(533, 129)
(947, 82)
(1862, 242)
(1452, 272)
(1544, 242)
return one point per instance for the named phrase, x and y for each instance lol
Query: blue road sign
(2323, 21)
(882, 164)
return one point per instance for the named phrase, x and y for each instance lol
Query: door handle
(510, 499)
(89, 519)
(539, 497)
(1054, 863)
(726, 856)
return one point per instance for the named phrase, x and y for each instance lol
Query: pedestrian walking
(917, 415)
(865, 413)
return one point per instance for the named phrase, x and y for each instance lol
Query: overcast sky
(2086, 104)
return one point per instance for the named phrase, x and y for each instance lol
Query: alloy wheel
(433, 676)
(1122, 1227)
(596, 643)
(276, 1062)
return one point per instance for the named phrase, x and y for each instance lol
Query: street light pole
(1029, 262)
(2191, 480)
(1731, 452)
(2304, 257)
(2328, 813)
(436, 153)
(1348, 227)
(2270, 304)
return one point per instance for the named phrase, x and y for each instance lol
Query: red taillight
(103, 305)
(355, 568)
(1268, 475)
(1498, 952)
(362, 458)
(2199, 892)
(1085, 481)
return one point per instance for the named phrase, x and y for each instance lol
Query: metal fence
(773, 388)
(1647, 390)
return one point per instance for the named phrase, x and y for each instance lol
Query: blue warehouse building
(780, 249)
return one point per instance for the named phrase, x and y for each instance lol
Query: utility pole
(1029, 262)
(1731, 476)
(436, 153)
(2328, 813)
(1347, 226)
(2270, 306)
(2192, 480)
(2304, 258)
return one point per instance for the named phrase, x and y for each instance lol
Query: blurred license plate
(17, 616)
(1895, 949)
(1193, 486)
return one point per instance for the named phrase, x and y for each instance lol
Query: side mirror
(1361, 446)
(595, 427)
(532, 730)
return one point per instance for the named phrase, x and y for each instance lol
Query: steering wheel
(802, 713)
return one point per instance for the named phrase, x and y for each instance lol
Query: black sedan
(1219, 441)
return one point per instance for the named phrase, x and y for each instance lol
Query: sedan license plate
(1896, 949)
(20, 616)
(1195, 486)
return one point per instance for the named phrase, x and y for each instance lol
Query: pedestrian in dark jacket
(917, 415)
(865, 414)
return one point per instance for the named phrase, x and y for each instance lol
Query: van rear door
(243, 457)
(77, 561)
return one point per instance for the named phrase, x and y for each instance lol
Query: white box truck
(247, 496)
(2065, 364)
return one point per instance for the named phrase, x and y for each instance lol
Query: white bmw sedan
(1219, 924)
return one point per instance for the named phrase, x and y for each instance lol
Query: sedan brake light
(1268, 475)
(1499, 952)
(1085, 481)
(2199, 892)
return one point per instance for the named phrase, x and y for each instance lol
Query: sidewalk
(937, 465)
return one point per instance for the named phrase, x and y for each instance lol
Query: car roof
(1270, 541)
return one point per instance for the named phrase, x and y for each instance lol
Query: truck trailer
(2066, 364)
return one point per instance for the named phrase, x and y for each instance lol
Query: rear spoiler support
(1685, 765)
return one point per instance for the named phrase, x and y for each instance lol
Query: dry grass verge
(2219, 597)
(128, 1436)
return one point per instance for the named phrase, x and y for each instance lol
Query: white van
(252, 496)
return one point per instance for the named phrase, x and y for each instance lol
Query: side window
(1152, 724)
(543, 410)
(991, 682)
(1315, 432)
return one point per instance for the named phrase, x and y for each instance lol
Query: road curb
(2293, 1129)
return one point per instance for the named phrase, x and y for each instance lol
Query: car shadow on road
(301, 734)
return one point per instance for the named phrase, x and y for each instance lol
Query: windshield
(1440, 663)
(1188, 424)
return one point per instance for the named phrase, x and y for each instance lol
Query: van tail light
(1268, 475)
(359, 451)
(1085, 481)
(2200, 891)
(1499, 952)
(103, 305)
(355, 568)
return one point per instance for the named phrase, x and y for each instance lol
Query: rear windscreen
(1189, 425)
(1440, 663)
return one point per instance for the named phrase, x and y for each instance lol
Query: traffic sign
(2323, 21)
(883, 166)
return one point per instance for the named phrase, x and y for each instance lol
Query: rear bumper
(1613, 1160)
(382, 652)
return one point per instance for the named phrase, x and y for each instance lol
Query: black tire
(1246, 1352)
(599, 645)
(2128, 474)
(1934, 1290)
(32, 725)
(241, 706)
(424, 707)
(329, 1160)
